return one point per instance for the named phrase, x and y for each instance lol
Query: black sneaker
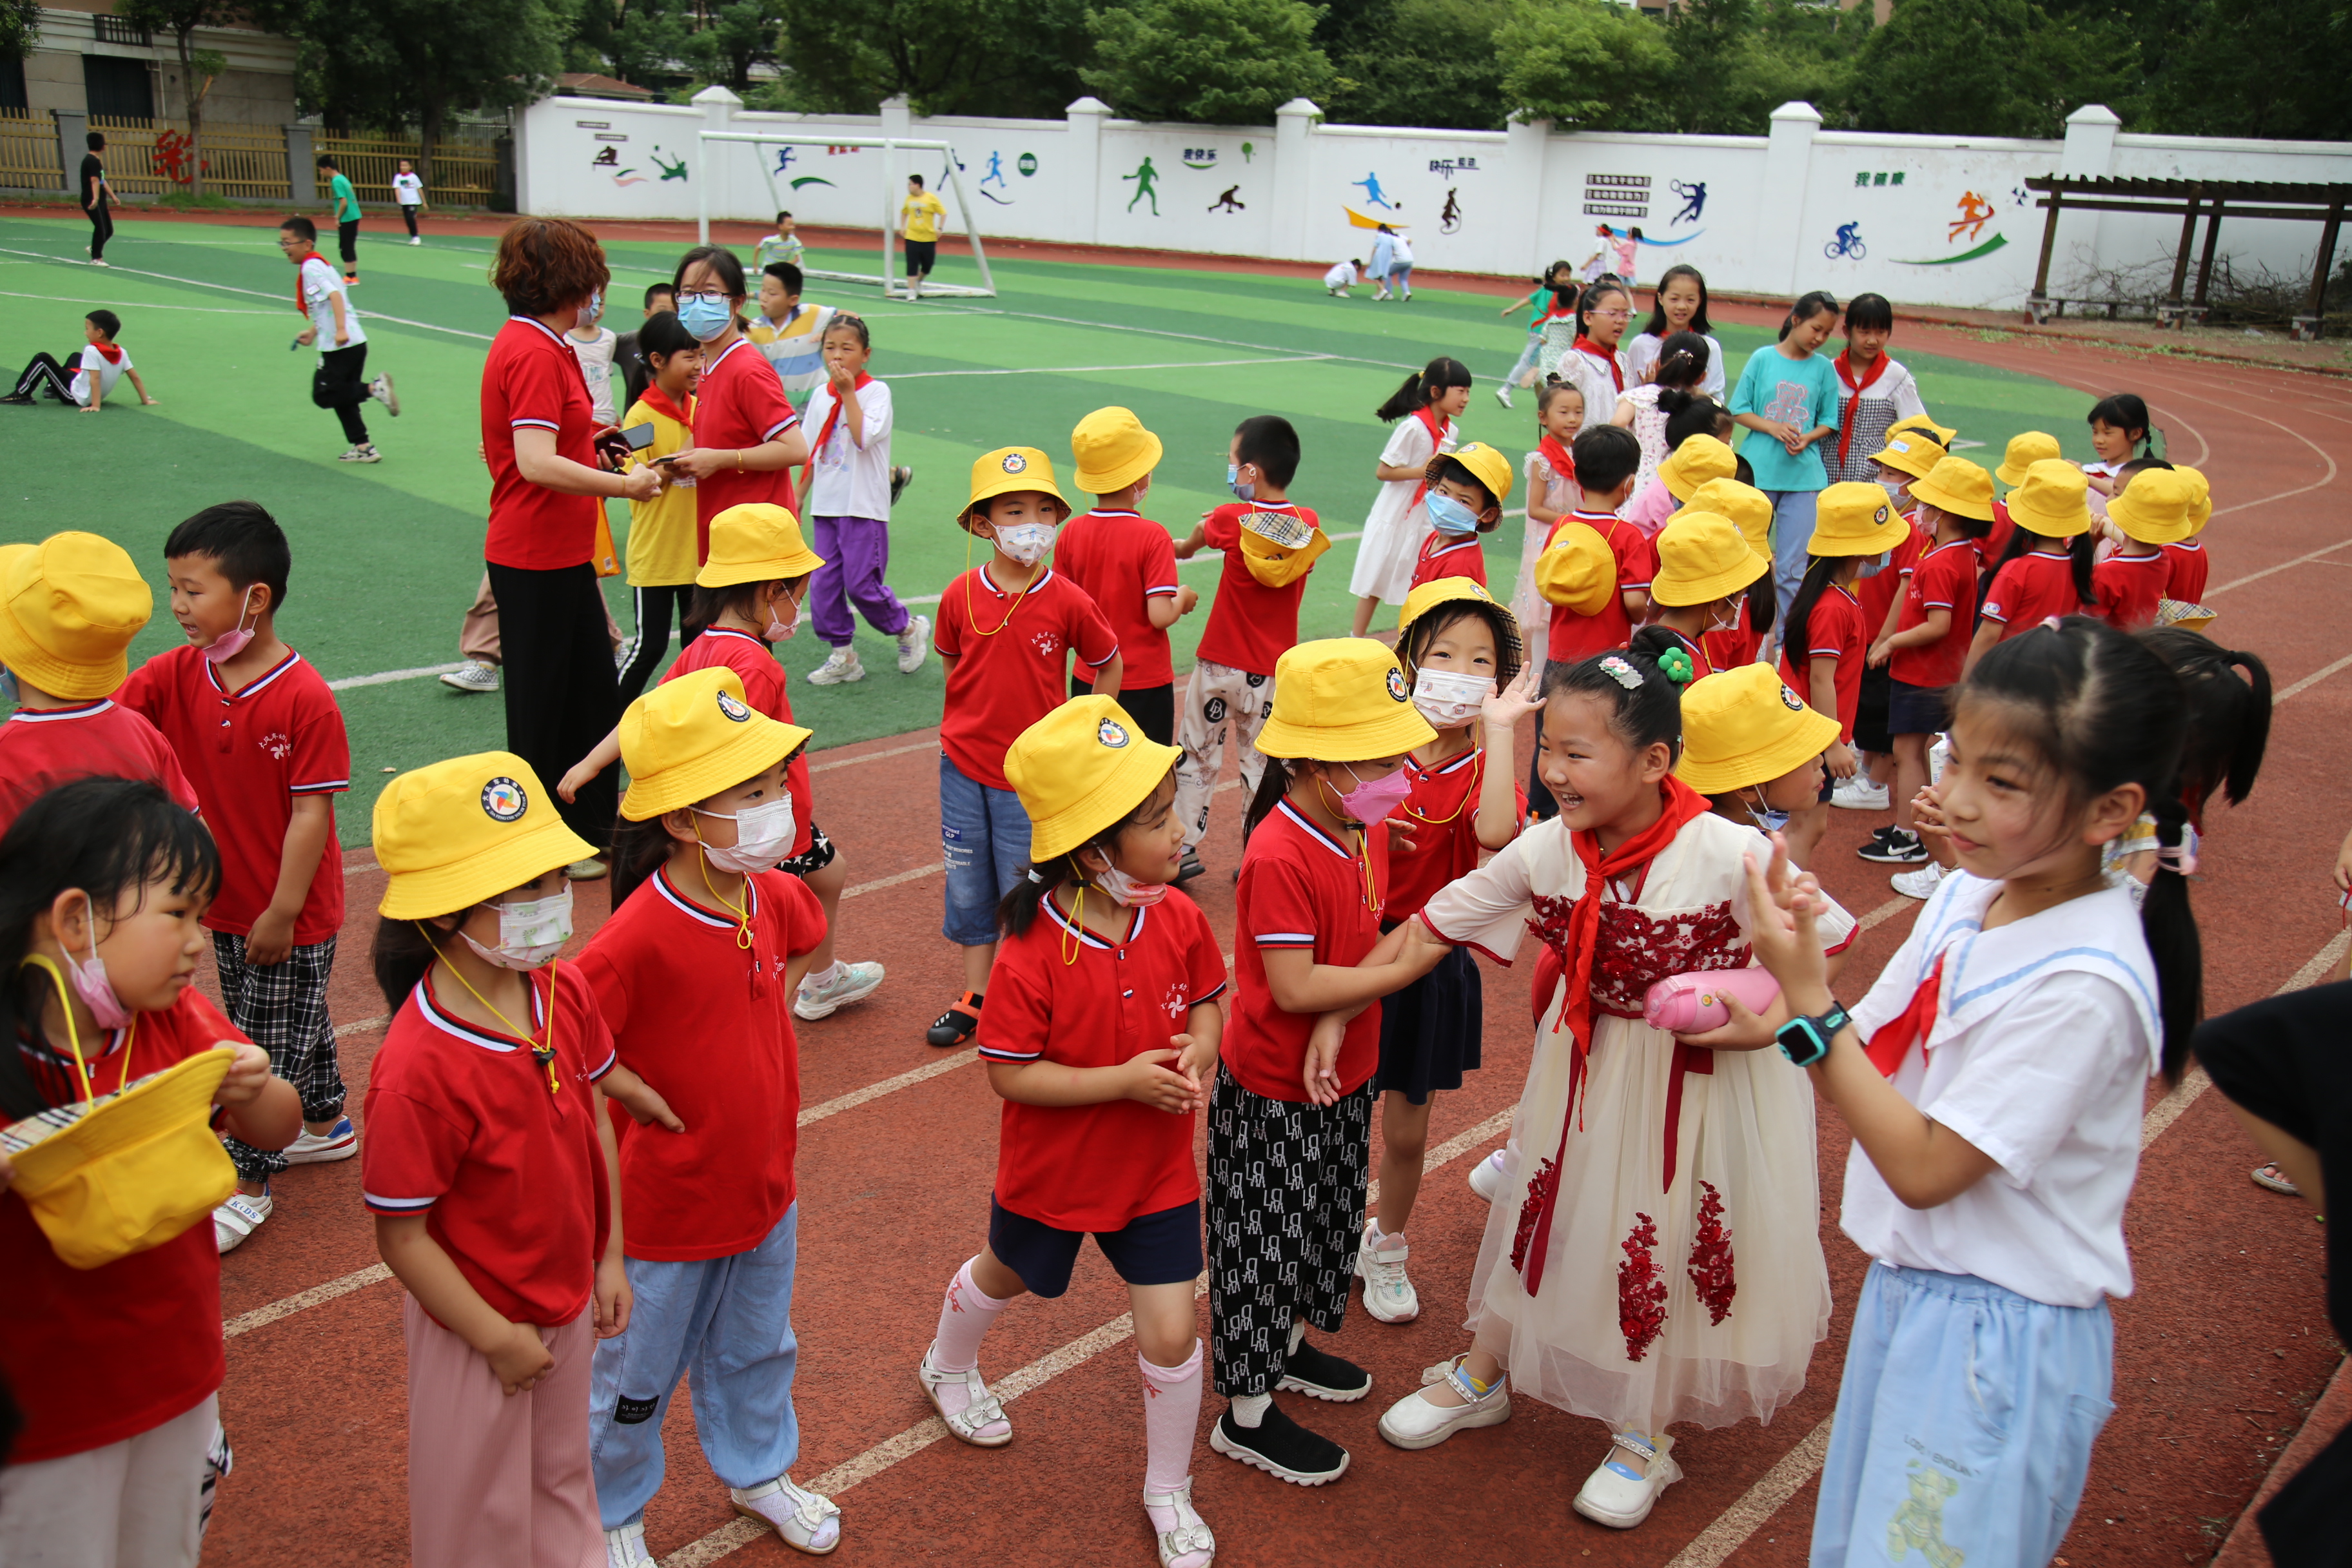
(1319, 1375)
(1189, 867)
(900, 478)
(1893, 847)
(955, 1027)
(1281, 1448)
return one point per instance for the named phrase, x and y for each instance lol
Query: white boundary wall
(1936, 220)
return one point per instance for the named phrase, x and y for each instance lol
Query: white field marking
(875, 756)
(140, 304)
(2304, 559)
(256, 293)
(353, 1028)
(1188, 337)
(386, 678)
(1096, 369)
(2316, 677)
(1886, 912)
(878, 883)
(360, 1280)
(1205, 557)
(872, 1091)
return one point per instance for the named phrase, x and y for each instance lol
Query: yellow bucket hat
(1697, 460)
(758, 542)
(1855, 518)
(1744, 727)
(1749, 508)
(1081, 768)
(1959, 486)
(2177, 613)
(1702, 557)
(1006, 469)
(1577, 571)
(1113, 450)
(1911, 452)
(2024, 451)
(454, 834)
(68, 609)
(1487, 465)
(1509, 656)
(2154, 508)
(2053, 500)
(1941, 434)
(689, 738)
(2200, 498)
(1279, 547)
(1342, 699)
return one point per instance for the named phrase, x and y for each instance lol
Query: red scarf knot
(1846, 378)
(1584, 345)
(1892, 1041)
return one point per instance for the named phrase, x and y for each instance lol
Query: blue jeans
(1965, 1421)
(1792, 531)
(985, 839)
(726, 1323)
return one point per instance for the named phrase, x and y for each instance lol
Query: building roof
(588, 84)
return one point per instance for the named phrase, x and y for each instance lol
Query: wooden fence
(28, 150)
(156, 157)
(464, 166)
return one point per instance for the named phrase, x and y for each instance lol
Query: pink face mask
(783, 631)
(1374, 801)
(89, 983)
(229, 644)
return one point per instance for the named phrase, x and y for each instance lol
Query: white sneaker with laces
(1389, 1296)
(840, 667)
(1918, 884)
(850, 983)
(914, 644)
(1858, 793)
(381, 390)
(1487, 1177)
(1621, 1497)
(624, 1547)
(807, 1522)
(339, 1142)
(238, 1216)
(473, 676)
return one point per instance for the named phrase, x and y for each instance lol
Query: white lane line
(246, 1322)
(1886, 912)
(1100, 369)
(386, 678)
(929, 745)
(377, 1022)
(139, 304)
(878, 883)
(874, 1091)
(2314, 677)
(2283, 567)
(256, 293)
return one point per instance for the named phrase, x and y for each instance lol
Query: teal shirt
(347, 205)
(1803, 393)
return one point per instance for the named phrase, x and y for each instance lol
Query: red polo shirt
(2028, 590)
(1443, 812)
(1250, 624)
(2127, 587)
(249, 752)
(41, 748)
(740, 404)
(1009, 653)
(1944, 579)
(721, 1050)
(1878, 592)
(463, 1128)
(97, 1355)
(1097, 1167)
(763, 688)
(1575, 636)
(1450, 555)
(532, 381)
(1833, 631)
(2189, 564)
(1301, 889)
(1124, 561)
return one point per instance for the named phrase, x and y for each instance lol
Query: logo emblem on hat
(1789, 700)
(1015, 463)
(503, 799)
(733, 709)
(1111, 733)
(1397, 688)
(1881, 518)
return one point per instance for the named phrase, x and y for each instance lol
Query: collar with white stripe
(449, 1024)
(553, 335)
(1583, 516)
(730, 349)
(1307, 825)
(731, 632)
(251, 687)
(1105, 511)
(1956, 544)
(1005, 594)
(54, 715)
(1134, 929)
(692, 910)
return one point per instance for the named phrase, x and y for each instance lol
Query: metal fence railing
(464, 166)
(28, 150)
(156, 157)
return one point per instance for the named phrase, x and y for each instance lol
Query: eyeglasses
(719, 294)
(1608, 315)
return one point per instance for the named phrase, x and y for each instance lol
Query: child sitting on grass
(100, 363)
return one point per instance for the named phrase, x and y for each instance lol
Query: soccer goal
(890, 278)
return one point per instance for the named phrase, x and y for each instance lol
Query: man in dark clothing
(94, 191)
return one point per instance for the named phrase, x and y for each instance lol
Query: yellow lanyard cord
(73, 1032)
(1476, 770)
(973, 615)
(1363, 853)
(743, 911)
(543, 1055)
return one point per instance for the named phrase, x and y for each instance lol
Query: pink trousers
(496, 1477)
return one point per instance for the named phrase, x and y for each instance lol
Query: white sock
(824, 976)
(1249, 1409)
(966, 1313)
(1298, 1335)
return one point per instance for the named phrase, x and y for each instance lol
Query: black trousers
(655, 608)
(341, 385)
(44, 371)
(101, 229)
(347, 235)
(560, 691)
(1153, 708)
(408, 215)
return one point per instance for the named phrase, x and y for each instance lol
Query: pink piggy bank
(1692, 1004)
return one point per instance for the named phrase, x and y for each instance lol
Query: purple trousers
(856, 552)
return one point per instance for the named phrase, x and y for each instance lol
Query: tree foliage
(1416, 62)
(20, 27)
(198, 68)
(1018, 58)
(1991, 68)
(1217, 62)
(1586, 65)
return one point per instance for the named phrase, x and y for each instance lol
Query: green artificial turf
(387, 557)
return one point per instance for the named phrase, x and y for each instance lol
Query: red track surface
(2218, 1353)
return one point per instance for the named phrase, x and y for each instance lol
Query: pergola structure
(2189, 200)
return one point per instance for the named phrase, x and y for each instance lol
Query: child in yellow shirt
(662, 550)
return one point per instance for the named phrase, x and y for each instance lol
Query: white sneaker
(981, 1422)
(381, 390)
(1389, 1296)
(807, 1522)
(624, 1547)
(839, 668)
(1858, 793)
(1918, 884)
(341, 1142)
(1413, 1421)
(414, 240)
(851, 982)
(914, 644)
(473, 676)
(1618, 1496)
(238, 1216)
(96, 261)
(364, 453)
(1503, 394)
(1487, 1177)
(623, 654)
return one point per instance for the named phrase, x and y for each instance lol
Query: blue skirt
(1429, 1030)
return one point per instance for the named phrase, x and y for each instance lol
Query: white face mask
(1448, 699)
(763, 836)
(1026, 541)
(529, 933)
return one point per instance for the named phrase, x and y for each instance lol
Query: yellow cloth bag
(607, 559)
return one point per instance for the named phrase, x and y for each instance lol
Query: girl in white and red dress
(1654, 1258)
(1553, 494)
(1423, 410)
(1101, 1037)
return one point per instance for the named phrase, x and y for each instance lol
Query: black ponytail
(1800, 613)
(1807, 306)
(1272, 785)
(1644, 714)
(2229, 718)
(2081, 552)
(1690, 413)
(1424, 388)
(1682, 365)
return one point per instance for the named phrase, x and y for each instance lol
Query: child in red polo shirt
(1006, 629)
(1102, 1041)
(260, 735)
(1127, 564)
(490, 1168)
(116, 1369)
(1599, 615)
(2151, 512)
(695, 975)
(2046, 568)
(1467, 490)
(2190, 562)
(68, 609)
(1270, 543)
(1290, 1116)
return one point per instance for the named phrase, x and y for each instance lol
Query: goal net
(890, 278)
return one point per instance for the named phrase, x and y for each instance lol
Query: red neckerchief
(1892, 1041)
(1682, 805)
(1584, 345)
(1845, 376)
(110, 352)
(309, 256)
(654, 398)
(1562, 461)
(832, 418)
(1438, 427)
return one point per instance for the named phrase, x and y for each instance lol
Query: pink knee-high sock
(966, 1313)
(1171, 1413)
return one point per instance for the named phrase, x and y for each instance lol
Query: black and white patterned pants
(283, 1009)
(1285, 1197)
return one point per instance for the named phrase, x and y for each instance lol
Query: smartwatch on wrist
(1806, 1040)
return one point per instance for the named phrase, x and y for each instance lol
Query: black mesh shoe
(1281, 1448)
(955, 1027)
(1319, 1375)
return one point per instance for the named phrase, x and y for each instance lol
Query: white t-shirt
(320, 284)
(108, 374)
(596, 366)
(2044, 1037)
(851, 481)
(408, 190)
(1341, 276)
(1400, 252)
(1641, 351)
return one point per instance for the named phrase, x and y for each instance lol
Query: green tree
(1018, 58)
(639, 41)
(2259, 67)
(20, 27)
(1420, 62)
(1991, 68)
(734, 37)
(199, 68)
(1588, 65)
(1220, 62)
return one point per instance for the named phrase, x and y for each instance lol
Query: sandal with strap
(2271, 1177)
(807, 1522)
(1621, 1497)
(1190, 1544)
(981, 1422)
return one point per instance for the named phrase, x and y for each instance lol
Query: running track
(2218, 1353)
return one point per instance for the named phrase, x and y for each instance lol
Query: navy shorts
(1161, 1249)
(922, 255)
(1918, 710)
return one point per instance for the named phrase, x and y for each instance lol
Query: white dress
(1699, 1300)
(1397, 524)
(1599, 388)
(1641, 354)
(1650, 430)
(1531, 609)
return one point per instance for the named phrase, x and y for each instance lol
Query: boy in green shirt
(347, 218)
